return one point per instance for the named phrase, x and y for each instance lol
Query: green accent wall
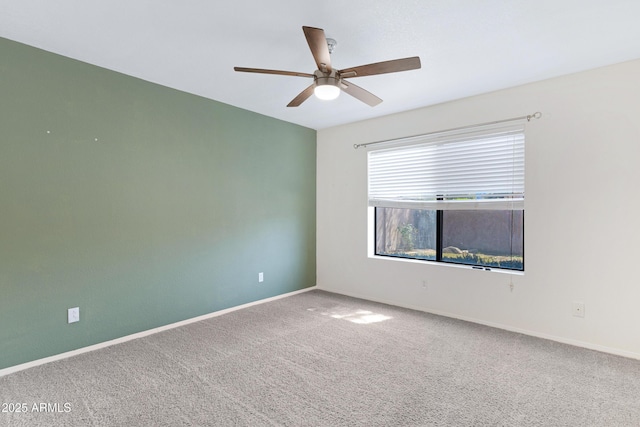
(140, 204)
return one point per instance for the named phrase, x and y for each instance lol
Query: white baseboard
(577, 343)
(23, 366)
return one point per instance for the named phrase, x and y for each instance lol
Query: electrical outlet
(577, 308)
(73, 315)
(424, 284)
(260, 277)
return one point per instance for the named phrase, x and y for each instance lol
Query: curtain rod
(535, 115)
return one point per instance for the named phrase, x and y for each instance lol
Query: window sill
(448, 265)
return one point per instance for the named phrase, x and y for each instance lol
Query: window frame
(439, 246)
(513, 200)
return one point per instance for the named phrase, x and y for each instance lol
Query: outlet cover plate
(73, 315)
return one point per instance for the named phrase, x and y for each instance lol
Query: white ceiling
(466, 47)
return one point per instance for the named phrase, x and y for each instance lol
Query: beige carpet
(320, 359)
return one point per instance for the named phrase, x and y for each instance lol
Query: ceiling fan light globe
(326, 92)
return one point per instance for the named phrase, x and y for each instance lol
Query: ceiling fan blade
(360, 94)
(384, 67)
(280, 72)
(302, 96)
(319, 49)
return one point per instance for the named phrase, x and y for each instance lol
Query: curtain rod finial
(535, 115)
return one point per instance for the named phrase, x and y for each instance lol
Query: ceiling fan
(327, 81)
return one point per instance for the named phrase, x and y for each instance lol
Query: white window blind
(477, 169)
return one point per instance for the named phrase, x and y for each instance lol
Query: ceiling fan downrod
(331, 44)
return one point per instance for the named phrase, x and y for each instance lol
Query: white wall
(582, 233)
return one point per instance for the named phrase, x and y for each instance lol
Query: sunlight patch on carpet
(362, 317)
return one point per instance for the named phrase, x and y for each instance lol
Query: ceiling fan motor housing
(332, 78)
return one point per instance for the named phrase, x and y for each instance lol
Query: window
(454, 198)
